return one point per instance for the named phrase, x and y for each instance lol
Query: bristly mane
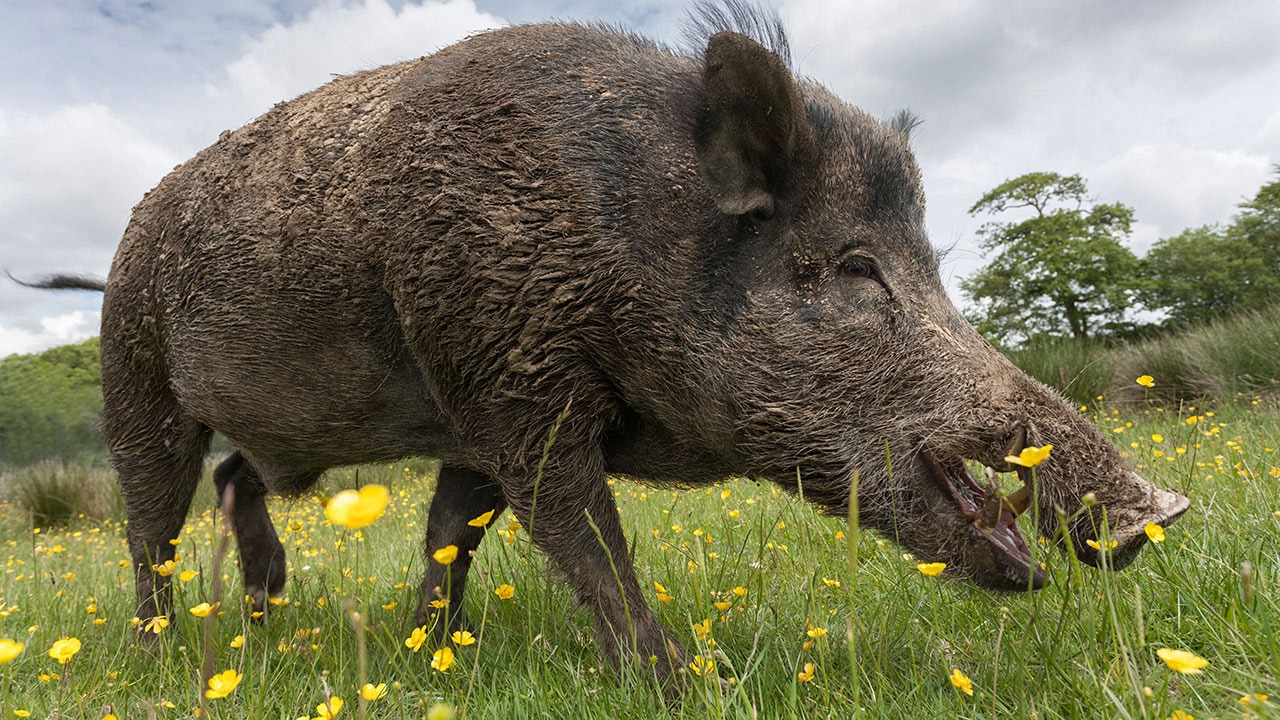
(764, 25)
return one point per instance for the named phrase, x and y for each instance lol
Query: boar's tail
(63, 282)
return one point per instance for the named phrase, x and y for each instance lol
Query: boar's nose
(1163, 508)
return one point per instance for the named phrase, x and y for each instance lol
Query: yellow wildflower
(722, 605)
(442, 659)
(740, 591)
(1030, 456)
(702, 629)
(1182, 661)
(355, 509)
(463, 637)
(416, 638)
(440, 711)
(446, 554)
(481, 520)
(702, 665)
(223, 684)
(1179, 715)
(1155, 533)
(961, 681)
(663, 595)
(1146, 381)
(371, 692)
(156, 624)
(63, 649)
(815, 632)
(203, 609)
(931, 569)
(1253, 699)
(9, 649)
(1098, 546)
(237, 642)
(806, 675)
(329, 709)
(504, 592)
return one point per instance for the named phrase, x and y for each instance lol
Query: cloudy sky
(1170, 106)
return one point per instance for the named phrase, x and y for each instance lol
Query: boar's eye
(854, 266)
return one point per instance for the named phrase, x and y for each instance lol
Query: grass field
(883, 639)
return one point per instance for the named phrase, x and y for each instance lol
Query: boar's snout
(1127, 523)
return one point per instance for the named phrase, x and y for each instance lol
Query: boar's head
(848, 358)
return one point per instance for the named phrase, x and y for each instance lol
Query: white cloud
(58, 330)
(1176, 187)
(339, 37)
(67, 180)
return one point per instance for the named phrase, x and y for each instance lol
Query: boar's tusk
(988, 516)
(1019, 501)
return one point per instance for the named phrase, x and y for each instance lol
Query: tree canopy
(1061, 269)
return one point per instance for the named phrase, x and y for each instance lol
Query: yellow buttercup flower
(931, 569)
(440, 711)
(371, 692)
(446, 554)
(481, 520)
(64, 649)
(1182, 661)
(416, 638)
(1146, 381)
(806, 675)
(463, 637)
(187, 575)
(223, 684)
(355, 509)
(1098, 546)
(9, 649)
(722, 605)
(442, 659)
(237, 642)
(663, 595)
(702, 666)
(1155, 533)
(815, 632)
(1030, 456)
(740, 591)
(156, 624)
(329, 709)
(961, 681)
(1180, 715)
(504, 592)
(702, 629)
(203, 609)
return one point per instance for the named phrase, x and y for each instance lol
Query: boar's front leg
(574, 519)
(261, 554)
(461, 497)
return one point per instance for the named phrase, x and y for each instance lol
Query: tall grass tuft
(1239, 355)
(53, 492)
(1081, 369)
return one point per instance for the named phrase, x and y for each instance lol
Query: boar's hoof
(996, 555)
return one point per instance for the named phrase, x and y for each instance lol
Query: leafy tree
(1205, 273)
(1259, 223)
(1063, 271)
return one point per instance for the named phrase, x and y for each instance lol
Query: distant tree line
(50, 404)
(1063, 269)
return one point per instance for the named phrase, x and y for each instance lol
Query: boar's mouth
(997, 555)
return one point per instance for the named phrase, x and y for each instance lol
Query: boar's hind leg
(461, 496)
(571, 498)
(261, 554)
(158, 452)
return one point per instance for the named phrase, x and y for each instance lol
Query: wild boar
(690, 266)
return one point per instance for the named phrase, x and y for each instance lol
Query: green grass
(1085, 647)
(1236, 356)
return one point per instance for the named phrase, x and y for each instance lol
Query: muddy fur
(705, 266)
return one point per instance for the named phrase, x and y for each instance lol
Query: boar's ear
(753, 128)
